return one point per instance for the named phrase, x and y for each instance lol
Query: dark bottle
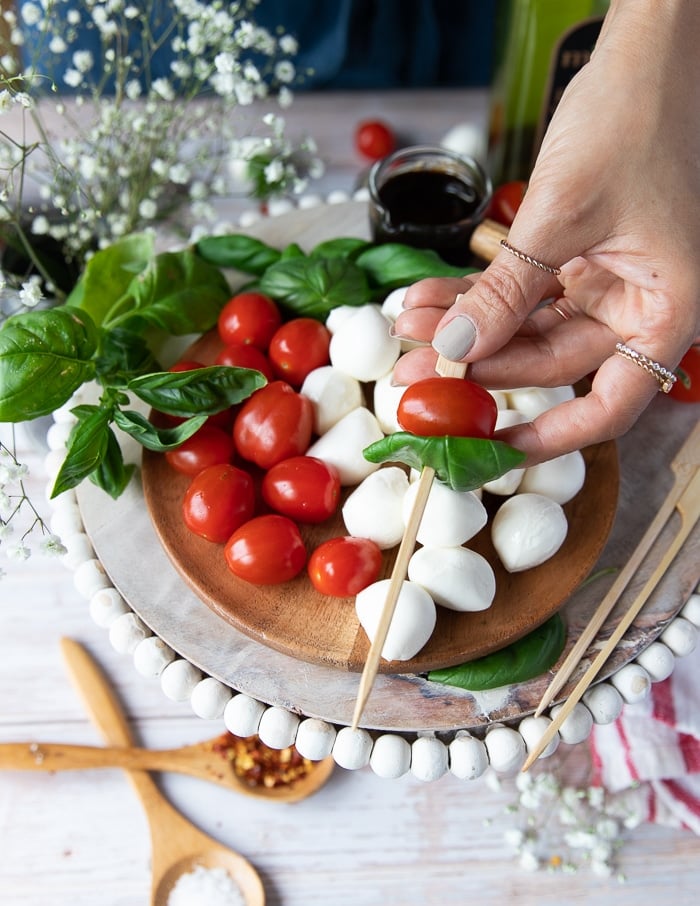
(540, 46)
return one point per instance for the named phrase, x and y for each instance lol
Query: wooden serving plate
(295, 619)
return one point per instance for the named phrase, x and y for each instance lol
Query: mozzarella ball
(501, 399)
(466, 138)
(363, 347)
(450, 518)
(333, 394)
(386, 400)
(509, 483)
(374, 509)
(527, 530)
(533, 401)
(392, 306)
(412, 624)
(342, 445)
(560, 479)
(454, 577)
(339, 315)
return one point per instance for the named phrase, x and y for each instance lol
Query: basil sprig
(342, 271)
(100, 334)
(463, 463)
(516, 663)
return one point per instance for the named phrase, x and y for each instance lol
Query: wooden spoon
(206, 760)
(177, 847)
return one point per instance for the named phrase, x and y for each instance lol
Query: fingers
(619, 394)
(549, 351)
(486, 316)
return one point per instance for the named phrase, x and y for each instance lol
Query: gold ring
(560, 311)
(665, 378)
(529, 259)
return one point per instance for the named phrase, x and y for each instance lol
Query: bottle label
(569, 56)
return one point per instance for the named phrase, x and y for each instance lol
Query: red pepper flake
(259, 765)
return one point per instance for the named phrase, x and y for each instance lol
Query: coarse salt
(206, 887)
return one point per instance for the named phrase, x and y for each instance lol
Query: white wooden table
(81, 839)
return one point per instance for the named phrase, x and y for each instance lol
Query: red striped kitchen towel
(655, 746)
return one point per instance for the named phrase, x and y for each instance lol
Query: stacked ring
(663, 376)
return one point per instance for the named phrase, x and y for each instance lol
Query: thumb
(485, 317)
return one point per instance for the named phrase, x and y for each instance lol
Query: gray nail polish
(455, 339)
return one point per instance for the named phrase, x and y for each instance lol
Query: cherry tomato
(344, 566)
(303, 488)
(374, 139)
(218, 501)
(441, 406)
(207, 447)
(273, 424)
(298, 347)
(505, 202)
(687, 387)
(249, 318)
(241, 355)
(266, 550)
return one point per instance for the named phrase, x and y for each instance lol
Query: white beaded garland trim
(389, 755)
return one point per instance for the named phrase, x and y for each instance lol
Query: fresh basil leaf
(44, 357)
(178, 292)
(393, 264)
(87, 447)
(464, 463)
(342, 247)
(312, 287)
(516, 663)
(112, 474)
(201, 391)
(239, 252)
(124, 354)
(293, 250)
(108, 274)
(152, 437)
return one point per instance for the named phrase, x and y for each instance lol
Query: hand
(613, 201)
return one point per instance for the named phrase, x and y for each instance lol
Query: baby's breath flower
(53, 546)
(96, 183)
(18, 551)
(30, 295)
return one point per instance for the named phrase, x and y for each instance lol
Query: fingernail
(456, 338)
(393, 332)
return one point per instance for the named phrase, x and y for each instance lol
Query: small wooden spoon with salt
(177, 847)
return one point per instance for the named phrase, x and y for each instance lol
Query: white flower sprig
(19, 517)
(149, 96)
(563, 827)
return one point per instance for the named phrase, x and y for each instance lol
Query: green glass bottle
(540, 46)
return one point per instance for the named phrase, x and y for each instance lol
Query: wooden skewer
(688, 506)
(683, 465)
(446, 368)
